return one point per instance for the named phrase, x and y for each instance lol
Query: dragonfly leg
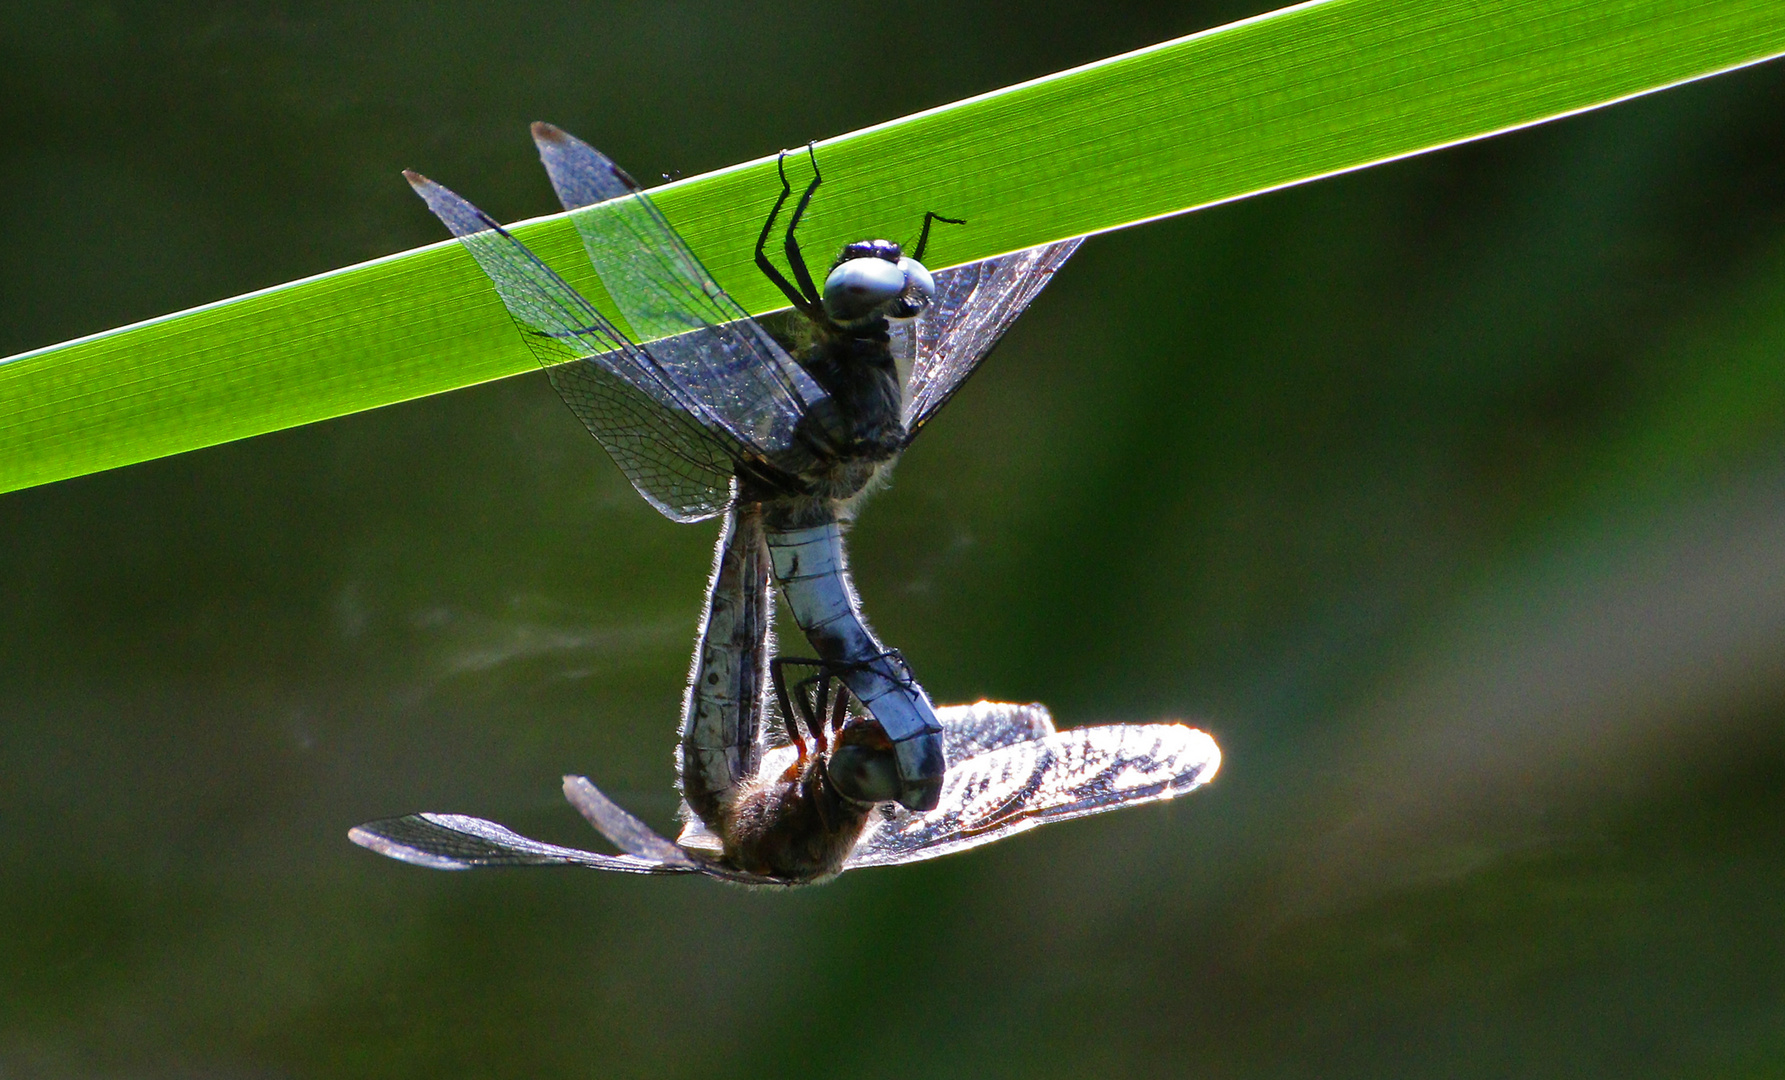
(803, 304)
(840, 711)
(814, 707)
(824, 705)
(778, 676)
(904, 676)
(821, 708)
(923, 238)
(810, 700)
(792, 246)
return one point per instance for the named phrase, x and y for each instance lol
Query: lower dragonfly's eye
(864, 773)
(858, 288)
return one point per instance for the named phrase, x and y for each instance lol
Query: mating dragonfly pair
(707, 413)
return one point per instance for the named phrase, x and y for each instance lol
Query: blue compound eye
(918, 280)
(858, 288)
(920, 289)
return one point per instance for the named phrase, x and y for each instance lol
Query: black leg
(923, 238)
(799, 708)
(794, 259)
(821, 707)
(840, 711)
(780, 680)
(823, 697)
(903, 676)
(801, 303)
(803, 694)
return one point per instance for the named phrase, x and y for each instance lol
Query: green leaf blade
(1281, 99)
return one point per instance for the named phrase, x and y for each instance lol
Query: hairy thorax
(793, 827)
(859, 428)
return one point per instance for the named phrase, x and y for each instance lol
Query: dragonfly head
(873, 279)
(863, 766)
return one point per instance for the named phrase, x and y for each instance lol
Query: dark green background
(1449, 496)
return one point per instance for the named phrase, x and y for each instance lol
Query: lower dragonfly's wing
(625, 831)
(1025, 784)
(973, 306)
(677, 453)
(458, 842)
(971, 730)
(698, 335)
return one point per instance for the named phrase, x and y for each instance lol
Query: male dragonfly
(1009, 771)
(708, 412)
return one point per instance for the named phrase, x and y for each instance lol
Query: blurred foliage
(1447, 495)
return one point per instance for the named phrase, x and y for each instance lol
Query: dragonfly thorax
(796, 827)
(859, 425)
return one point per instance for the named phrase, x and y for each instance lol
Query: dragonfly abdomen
(812, 570)
(722, 713)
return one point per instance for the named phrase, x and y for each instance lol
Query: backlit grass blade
(1281, 99)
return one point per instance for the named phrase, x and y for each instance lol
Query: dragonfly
(705, 411)
(1010, 771)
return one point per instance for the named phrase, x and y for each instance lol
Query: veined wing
(1025, 784)
(458, 842)
(624, 831)
(971, 730)
(698, 335)
(642, 842)
(973, 307)
(678, 454)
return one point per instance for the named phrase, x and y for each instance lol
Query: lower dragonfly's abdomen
(721, 748)
(810, 565)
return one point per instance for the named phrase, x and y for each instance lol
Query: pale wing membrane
(624, 831)
(642, 842)
(974, 305)
(683, 470)
(665, 441)
(971, 730)
(1026, 784)
(694, 330)
(458, 842)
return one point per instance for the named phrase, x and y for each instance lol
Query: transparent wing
(678, 456)
(643, 843)
(971, 730)
(698, 335)
(457, 842)
(973, 307)
(1025, 784)
(626, 832)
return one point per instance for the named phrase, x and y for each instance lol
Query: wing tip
(1211, 759)
(554, 141)
(366, 837)
(1199, 747)
(417, 180)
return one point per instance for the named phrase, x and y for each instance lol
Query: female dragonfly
(707, 411)
(1009, 771)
